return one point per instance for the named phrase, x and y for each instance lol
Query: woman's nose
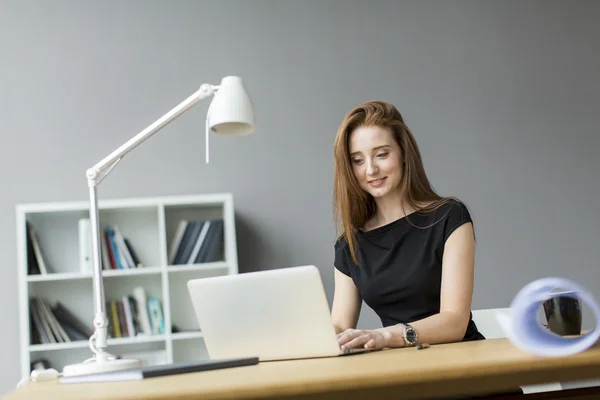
(372, 168)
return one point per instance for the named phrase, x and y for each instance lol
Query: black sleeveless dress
(399, 274)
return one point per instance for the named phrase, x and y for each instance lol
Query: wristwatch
(409, 335)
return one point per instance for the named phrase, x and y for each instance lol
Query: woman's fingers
(348, 335)
(359, 341)
(339, 335)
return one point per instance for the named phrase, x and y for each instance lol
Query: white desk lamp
(230, 113)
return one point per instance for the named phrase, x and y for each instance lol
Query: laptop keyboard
(356, 350)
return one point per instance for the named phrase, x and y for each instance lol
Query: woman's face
(376, 160)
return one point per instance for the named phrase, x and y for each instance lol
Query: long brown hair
(353, 207)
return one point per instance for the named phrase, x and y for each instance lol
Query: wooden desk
(468, 368)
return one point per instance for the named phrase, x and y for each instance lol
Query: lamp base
(94, 367)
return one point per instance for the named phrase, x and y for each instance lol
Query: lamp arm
(94, 176)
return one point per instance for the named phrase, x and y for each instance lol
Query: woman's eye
(381, 155)
(356, 161)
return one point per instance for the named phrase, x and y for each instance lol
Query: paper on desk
(523, 329)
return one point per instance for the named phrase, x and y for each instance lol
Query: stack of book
(196, 242)
(117, 252)
(130, 316)
(55, 324)
(135, 315)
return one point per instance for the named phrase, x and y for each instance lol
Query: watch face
(411, 335)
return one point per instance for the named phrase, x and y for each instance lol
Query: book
(106, 261)
(36, 260)
(119, 260)
(55, 326)
(199, 242)
(46, 328)
(182, 242)
(85, 245)
(134, 256)
(177, 240)
(43, 335)
(154, 371)
(124, 251)
(66, 317)
(157, 321)
(141, 304)
(213, 244)
(189, 241)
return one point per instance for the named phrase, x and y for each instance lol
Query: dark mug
(563, 314)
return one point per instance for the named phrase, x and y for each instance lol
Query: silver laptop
(273, 315)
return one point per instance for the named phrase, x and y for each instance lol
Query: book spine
(177, 241)
(142, 309)
(128, 316)
(37, 319)
(134, 256)
(119, 239)
(58, 330)
(109, 248)
(156, 316)
(201, 239)
(119, 260)
(122, 320)
(45, 321)
(37, 251)
(115, 318)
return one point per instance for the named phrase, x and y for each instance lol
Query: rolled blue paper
(523, 329)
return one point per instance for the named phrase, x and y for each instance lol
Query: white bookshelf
(150, 225)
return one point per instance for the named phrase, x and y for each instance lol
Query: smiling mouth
(377, 182)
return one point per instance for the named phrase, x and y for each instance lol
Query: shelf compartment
(175, 214)
(58, 237)
(139, 226)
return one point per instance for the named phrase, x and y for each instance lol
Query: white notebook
(160, 370)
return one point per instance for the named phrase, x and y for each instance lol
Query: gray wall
(503, 97)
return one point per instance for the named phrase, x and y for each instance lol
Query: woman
(404, 250)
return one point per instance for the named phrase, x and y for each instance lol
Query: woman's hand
(369, 339)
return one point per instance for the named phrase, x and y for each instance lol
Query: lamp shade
(231, 111)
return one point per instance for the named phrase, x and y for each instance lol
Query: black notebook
(160, 370)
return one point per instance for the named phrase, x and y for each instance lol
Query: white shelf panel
(65, 276)
(187, 335)
(105, 273)
(127, 272)
(84, 343)
(59, 346)
(202, 199)
(198, 267)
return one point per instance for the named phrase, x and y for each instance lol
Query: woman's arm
(450, 324)
(346, 303)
